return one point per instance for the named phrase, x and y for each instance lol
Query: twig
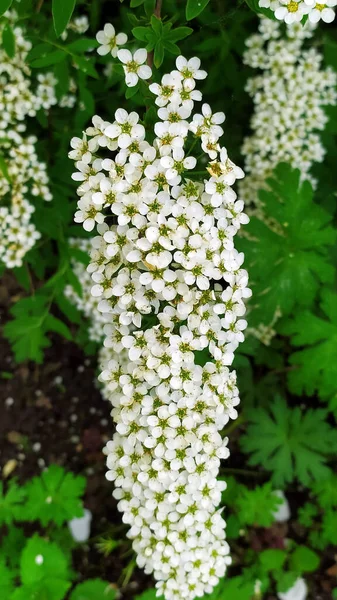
(39, 6)
(157, 13)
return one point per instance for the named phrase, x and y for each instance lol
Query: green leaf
(158, 54)
(180, 33)
(194, 8)
(93, 589)
(148, 595)
(4, 169)
(50, 59)
(11, 546)
(52, 563)
(11, 502)
(55, 496)
(62, 11)
(142, 33)
(26, 332)
(272, 559)
(326, 492)
(54, 324)
(289, 443)
(135, 3)
(4, 6)
(235, 588)
(85, 65)
(8, 40)
(267, 12)
(304, 560)
(287, 261)
(257, 506)
(83, 44)
(6, 580)
(47, 589)
(285, 580)
(316, 365)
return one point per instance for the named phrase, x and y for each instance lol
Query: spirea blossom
(172, 288)
(293, 11)
(25, 176)
(289, 98)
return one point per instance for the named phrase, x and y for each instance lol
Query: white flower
(190, 70)
(322, 10)
(110, 41)
(126, 128)
(134, 66)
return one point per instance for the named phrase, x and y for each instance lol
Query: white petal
(124, 56)
(140, 56)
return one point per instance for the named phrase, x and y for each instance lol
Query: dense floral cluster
(23, 176)
(169, 280)
(293, 11)
(86, 303)
(289, 99)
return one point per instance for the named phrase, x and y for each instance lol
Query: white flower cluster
(24, 173)
(169, 279)
(86, 303)
(289, 98)
(293, 11)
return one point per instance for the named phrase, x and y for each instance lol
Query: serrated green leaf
(49, 589)
(11, 502)
(54, 324)
(8, 40)
(289, 443)
(290, 273)
(27, 338)
(93, 589)
(326, 492)
(62, 11)
(4, 6)
(55, 496)
(194, 8)
(258, 506)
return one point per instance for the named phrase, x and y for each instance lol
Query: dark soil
(54, 413)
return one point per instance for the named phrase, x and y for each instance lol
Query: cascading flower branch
(171, 283)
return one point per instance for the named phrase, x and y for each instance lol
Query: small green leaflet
(93, 589)
(55, 496)
(235, 588)
(326, 492)
(160, 37)
(289, 443)
(288, 261)
(62, 11)
(317, 364)
(11, 502)
(5, 5)
(194, 8)
(148, 595)
(272, 559)
(8, 40)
